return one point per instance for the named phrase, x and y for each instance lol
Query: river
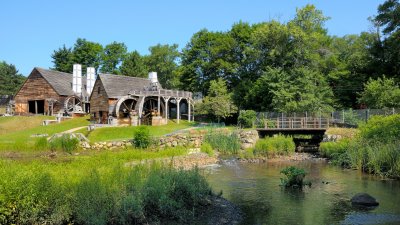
(256, 189)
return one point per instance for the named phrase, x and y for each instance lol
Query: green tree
(62, 59)
(163, 60)
(87, 53)
(310, 19)
(381, 93)
(112, 56)
(218, 102)
(10, 79)
(207, 57)
(299, 90)
(389, 16)
(133, 65)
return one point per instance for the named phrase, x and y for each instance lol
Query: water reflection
(256, 189)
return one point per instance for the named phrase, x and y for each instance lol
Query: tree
(112, 56)
(163, 60)
(381, 93)
(310, 19)
(133, 65)
(389, 16)
(62, 59)
(87, 53)
(10, 79)
(208, 56)
(296, 91)
(218, 102)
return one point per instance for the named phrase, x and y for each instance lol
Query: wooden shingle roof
(119, 85)
(60, 81)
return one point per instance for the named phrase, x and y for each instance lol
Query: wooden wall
(36, 88)
(99, 102)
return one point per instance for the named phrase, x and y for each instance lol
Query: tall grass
(376, 148)
(113, 194)
(274, 146)
(64, 143)
(224, 142)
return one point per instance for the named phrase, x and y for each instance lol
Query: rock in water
(364, 199)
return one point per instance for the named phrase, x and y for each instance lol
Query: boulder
(364, 199)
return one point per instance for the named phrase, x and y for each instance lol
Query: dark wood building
(132, 100)
(48, 92)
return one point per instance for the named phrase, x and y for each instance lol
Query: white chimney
(153, 77)
(79, 81)
(90, 79)
(76, 75)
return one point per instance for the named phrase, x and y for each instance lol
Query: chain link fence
(345, 118)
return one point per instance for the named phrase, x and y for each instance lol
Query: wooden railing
(163, 92)
(297, 123)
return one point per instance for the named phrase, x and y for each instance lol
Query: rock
(109, 144)
(174, 144)
(363, 199)
(128, 144)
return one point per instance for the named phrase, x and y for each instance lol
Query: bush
(273, 146)
(247, 118)
(337, 152)
(64, 143)
(294, 177)
(174, 194)
(207, 148)
(222, 142)
(141, 137)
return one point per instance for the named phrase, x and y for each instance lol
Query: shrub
(207, 148)
(247, 118)
(222, 142)
(273, 146)
(64, 143)
(337, 152)
(294, 177)
(141, 137)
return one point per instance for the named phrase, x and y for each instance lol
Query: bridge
(307, 132)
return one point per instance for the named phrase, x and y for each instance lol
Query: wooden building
(49, 92)
(131, 100)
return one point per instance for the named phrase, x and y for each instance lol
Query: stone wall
(248, 139)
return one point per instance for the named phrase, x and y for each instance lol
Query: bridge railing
(296, 123)
(347, 118)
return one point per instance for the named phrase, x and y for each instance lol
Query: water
(256, 189)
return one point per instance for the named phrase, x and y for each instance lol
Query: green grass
(20, 139)
(274, 146)
(374, 149)
(223, 141)
(10, 124)
(120, 133)
(99, 189)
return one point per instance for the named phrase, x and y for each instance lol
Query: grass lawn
(119, 133)
(17, 131)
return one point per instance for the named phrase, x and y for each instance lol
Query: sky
(31, 30)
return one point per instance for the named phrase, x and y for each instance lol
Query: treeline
(269, 66)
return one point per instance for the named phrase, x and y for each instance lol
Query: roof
(119, 85)
(60, 81)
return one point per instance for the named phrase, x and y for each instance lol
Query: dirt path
(72, 130)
